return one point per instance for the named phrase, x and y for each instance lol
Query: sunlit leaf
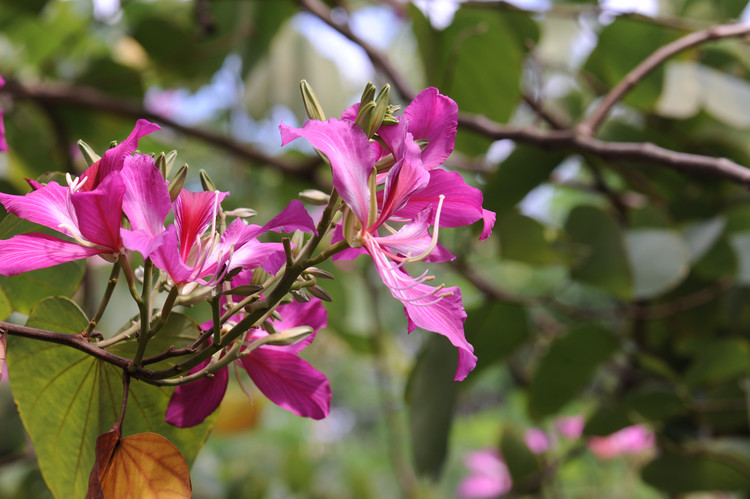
(659, 260)
(144, 465)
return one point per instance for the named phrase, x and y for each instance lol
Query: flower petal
(438, 311)
(194, 212)
(462, 204)
(48, 205)
(113, 159)
(146, 201)
(26, 252)
(192, 403)
(99, 212)
(434, 117)
(348, 150)
(289, 382)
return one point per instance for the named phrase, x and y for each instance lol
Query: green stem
(130, 277)
(111, 283)
(216, 315)
(145, 307)
(166, 309)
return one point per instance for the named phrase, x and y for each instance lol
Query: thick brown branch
(56, 94)
(653, 61)
(72, 340)
(635, 151)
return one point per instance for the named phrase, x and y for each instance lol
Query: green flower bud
(89, 156)
(206, 182)
(312, 106)
(177, 182)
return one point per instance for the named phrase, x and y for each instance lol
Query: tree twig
(93, 99)
(590, 125)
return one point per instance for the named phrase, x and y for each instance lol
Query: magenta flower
(278, 372)
(489, 476)
(630, 440)
(353, 159)
(89, 212)
(570, 426)
(536, 440)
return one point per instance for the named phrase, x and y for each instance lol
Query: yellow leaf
(140, 466)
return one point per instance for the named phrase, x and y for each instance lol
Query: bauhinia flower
(370, 212)
(279, 373)
(88, 210)
(489, 476)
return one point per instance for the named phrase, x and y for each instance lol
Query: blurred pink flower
(3, 369)
(631, 440)
(489, 476)
(536, 440)
(570, 426)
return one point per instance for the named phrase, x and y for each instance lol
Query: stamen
(73, 232)
(74, 183)
(433, 243)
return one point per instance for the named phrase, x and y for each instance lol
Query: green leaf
(725, 360)
(568, 367)
(677, 474)
(523, 239)
(524, 466)
(701, 236)
(478, 59)
(615, 55)
(690, 87)
(67, 398)
(524, 169)
(659, 260)
(600, 250)
(496, 330)
(606, 420)
(655, 404)
(740, 242)
(719, 262)
(431, 397)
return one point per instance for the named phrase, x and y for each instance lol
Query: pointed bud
(314, 196)
(368, 94)
(381, 108)
(316, 272)
(300, 296)
(161, 164)
(319, 292)
(312, 106)
(289, 336)
(372, 184)
(206, 182)
(89, 156)
(177, 182)
(365, 116)
(259, 276)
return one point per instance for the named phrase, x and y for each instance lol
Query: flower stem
(111, 283)
(145, 307)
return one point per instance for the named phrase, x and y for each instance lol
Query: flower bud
(89, 156)
(206, 182)
(289, 336)
(368, 94)
(314, 196)
(177, 182)
(312, 106)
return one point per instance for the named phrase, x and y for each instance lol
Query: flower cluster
(388, 180)
(389, 192)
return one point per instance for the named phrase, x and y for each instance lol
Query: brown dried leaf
(144, 465)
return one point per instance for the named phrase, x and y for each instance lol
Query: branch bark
(46, 95)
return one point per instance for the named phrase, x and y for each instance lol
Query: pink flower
(88, 211)
(279, 373)
(410, 195)
(489, 476)
(631, 440)
(536, 440)
(570, 426)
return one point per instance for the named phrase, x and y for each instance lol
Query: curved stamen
(433, 243)
(74, 183)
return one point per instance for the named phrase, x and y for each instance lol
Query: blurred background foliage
(611, 289)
